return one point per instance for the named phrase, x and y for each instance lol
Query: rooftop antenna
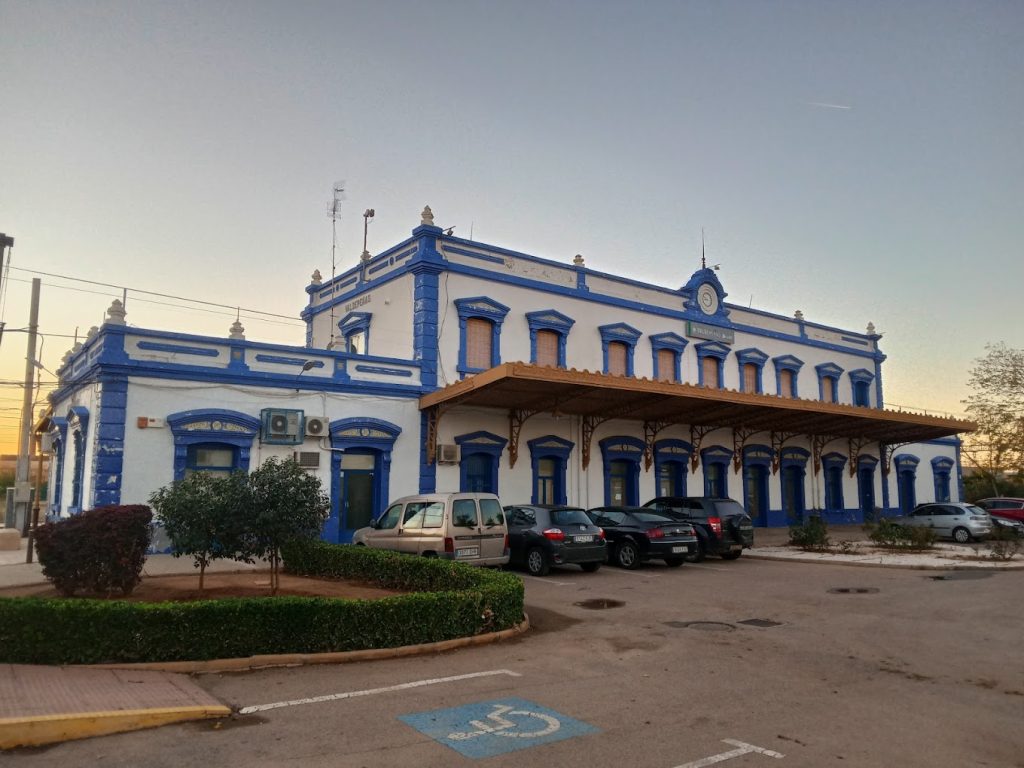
(335, 213)
(367, 215)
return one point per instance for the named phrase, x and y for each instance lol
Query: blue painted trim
(689, 293)
(475, 255)
(550, 447)
(828, 371)
(383, 371)
(753, 357)
(759, 458)
(833, 465)
(860, 380)
(959, 473)
(295, 361)
(484, 308)
(108, 458)
(628, 449)
(675, 344)
(720, 455)
(206, 426)
(549, 320)
(942, 466)
(791, 364)
(152, 346)
(480, 442)
(359, 435)
(624, 334)
(353, 323)
(711, 349)
(425, 325)
(667, 455)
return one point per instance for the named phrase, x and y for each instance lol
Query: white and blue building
(447, 364)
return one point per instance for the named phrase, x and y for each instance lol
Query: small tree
(286, 504)
(204, 516)
(997, 405)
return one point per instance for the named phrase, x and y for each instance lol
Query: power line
(153, 293)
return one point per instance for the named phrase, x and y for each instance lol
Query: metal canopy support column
(590, 423)
(434, 414)
(856, 445)
(818, 443)
(651, 430)
(779, 439)
(516, 419)
(885, 451)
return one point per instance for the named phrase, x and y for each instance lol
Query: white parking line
(742, 748)
(372, 691)
(705, 567)
(546, 580)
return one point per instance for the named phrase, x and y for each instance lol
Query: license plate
(679, 549)
(584, 539)
(467, 552)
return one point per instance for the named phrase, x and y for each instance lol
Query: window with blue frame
(478, 469)
(549, 457)
(833, 465)
(355, 332)
(549, 331)
(480, 320)
(480, 457)
(906, 480)
(828, 382)
(667, 350)
(715, 461)
(751, 362)
(212, 440)
(618, 344)
(671, 458)
(861, 381)
(621, 457)
(942, 467)
(78, 476)
(711, 363)
(58, 473)
(211, 459)
(787, 373)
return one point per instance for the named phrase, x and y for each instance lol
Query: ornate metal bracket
(697, 435)
(856, 445)
(818, 443)
(778, 440)
(740, 436)
(433, 421)
(885, 452)
(590, 423)
(516, 419)
(651, 430)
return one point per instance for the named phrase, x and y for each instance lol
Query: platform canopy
(524, 390)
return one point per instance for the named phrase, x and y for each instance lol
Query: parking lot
(743, 663)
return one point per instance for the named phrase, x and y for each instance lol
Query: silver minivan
(468, 527)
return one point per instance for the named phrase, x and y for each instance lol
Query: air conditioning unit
(448, 453)
(308, 459)
(282, 426)
(317, 426)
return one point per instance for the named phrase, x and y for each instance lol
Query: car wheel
(590, 567)
(732, 555)
(537, 562)
(699, 555)
(961, 535)
(674, 562)
(627, 556)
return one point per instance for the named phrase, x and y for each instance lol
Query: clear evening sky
(856, 161)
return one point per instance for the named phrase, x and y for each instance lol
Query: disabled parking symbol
(496, 727)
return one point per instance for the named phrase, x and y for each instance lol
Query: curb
(247, 663)
(954, 566)
(48, 729)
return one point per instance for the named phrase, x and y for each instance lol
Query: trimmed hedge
(462, 601)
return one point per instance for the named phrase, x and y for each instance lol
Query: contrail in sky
(826, 105)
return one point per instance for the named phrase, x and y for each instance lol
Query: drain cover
(962, 576)
(704, 626)
(599, 603)
(760, 623)
(853, 590)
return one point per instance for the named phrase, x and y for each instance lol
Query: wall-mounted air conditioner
(281, 426)
(448, 453)
(317, 426)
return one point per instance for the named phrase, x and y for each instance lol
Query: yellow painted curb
(47, 729)
(247, 663)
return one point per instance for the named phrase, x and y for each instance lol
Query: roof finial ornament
(798, 315)
(578, 260)
(871, 328)
(317, 277)
(115, 313)
(427, 217)
(237, 331)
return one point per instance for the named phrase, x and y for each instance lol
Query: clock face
(707, 298)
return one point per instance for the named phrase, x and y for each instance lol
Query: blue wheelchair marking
(491, 728)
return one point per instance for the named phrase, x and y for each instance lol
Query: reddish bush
(99, 551)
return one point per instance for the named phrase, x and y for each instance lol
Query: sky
(861, 162)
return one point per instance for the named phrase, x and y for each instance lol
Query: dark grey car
(540, 536)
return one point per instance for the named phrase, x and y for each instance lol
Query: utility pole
(22, 487)
(6, 244)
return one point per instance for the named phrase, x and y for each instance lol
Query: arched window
(671, 458)
(480, 320)
(793, 471)
(212, 439)
(478, 467)
(861, 381)
(715, 461)
(548, 457)
(866, 486)
(667, 350)
(828, 382)
(355, 332)
(751, 363)
(833, 465)
(787, 371)
(906, 480)
(622, 457)
(618, 342)
(941, 468)
(757, 465)
(711, 361)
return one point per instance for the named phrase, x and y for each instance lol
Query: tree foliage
(996, 403)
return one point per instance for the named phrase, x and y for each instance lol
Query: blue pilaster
(108, 460)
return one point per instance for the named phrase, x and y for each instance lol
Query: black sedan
(636, 534)
(540, 536)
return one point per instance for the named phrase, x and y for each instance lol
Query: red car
(1011, 509)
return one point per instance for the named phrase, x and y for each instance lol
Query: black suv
(723, 526)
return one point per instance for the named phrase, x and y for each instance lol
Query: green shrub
(100, 551)
(891, 535)
(810, 536)
(463, 601)
(1005, 543)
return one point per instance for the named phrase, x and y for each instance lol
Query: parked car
(723, 527)
(1010, 508)
(468, 527)
(949, 520)
(1005, 528)
(541, 536)
(635, 534)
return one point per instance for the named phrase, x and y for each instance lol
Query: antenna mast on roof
(335, 213)
(703, 264)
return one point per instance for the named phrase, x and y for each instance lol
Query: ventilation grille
(308, 459)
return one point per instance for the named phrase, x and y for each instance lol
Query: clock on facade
(707, 298)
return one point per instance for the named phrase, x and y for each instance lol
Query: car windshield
(728, 508)
(653, 517)
(569, 517)
(974, 510)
